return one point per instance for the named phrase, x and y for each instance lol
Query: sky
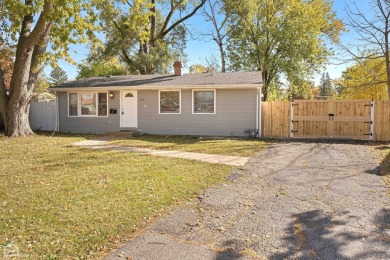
(199, 49)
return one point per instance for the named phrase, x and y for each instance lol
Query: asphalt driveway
(292, 201)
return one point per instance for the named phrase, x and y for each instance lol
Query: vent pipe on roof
(178, 66)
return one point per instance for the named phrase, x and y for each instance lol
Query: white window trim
(215, 101)
(159, 102)
(79, 93)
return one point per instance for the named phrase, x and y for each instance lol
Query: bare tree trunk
(219, 28)
(18, 105)
(17, 123)
(388, 74)
(387, 58)
(223, 59)
(265, 88)
(17, 109)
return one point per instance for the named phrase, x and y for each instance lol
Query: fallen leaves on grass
(60, 201)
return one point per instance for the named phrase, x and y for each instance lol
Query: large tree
(146, 34)
(27, 28)
(100, 68)
(58, 76)
(326, 86)
(373, 30)
(280, 38)
(365, 79)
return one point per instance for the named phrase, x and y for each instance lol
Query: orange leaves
(6, 62)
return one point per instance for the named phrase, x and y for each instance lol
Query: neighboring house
(43, 97)
(215, 104)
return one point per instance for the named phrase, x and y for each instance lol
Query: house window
(88, 104)
(73, 100)
(203, 101)
(102, 104)
(169, 102)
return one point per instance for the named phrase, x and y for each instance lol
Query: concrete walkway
(210, 158)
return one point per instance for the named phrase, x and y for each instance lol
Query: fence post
(372, 115)
(292, 120)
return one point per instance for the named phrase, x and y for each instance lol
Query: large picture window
(203, 101)
(169, 102)
(88, 104)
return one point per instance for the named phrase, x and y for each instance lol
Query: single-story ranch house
(208, 104)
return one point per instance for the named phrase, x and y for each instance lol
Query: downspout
(57, 114)
(258, 112)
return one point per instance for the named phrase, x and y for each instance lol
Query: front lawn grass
(58, 201)
(239, 147)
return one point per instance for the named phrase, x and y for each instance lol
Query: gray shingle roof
(204, 79)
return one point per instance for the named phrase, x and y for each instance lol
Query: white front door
(129, 108)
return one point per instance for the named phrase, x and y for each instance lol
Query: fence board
(43, 116)
(311, 119)
(352, 119)
(275, 119)
(382, 121)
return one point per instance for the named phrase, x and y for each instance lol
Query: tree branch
(39, 50)
(167, 19)
(366, 21)
(41, 25)
(118, 28)
(363, 85)
(163, 33)
(126, 57)
(129, 3)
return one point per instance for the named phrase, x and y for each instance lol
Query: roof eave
(230, 86)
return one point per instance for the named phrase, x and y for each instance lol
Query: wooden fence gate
(319, 119)
(332, 119)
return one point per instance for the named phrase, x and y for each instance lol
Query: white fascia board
(117, 88)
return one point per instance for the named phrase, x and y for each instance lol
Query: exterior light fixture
(111, 94)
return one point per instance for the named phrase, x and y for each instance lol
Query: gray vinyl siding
(235, 113)
(88, 124)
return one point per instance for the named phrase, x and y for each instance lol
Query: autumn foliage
(6, 63)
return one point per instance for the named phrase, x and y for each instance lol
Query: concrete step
(126, 133)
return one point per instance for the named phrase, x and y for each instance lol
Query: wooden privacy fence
(358, 119)
(275, 119)
(43, 116)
